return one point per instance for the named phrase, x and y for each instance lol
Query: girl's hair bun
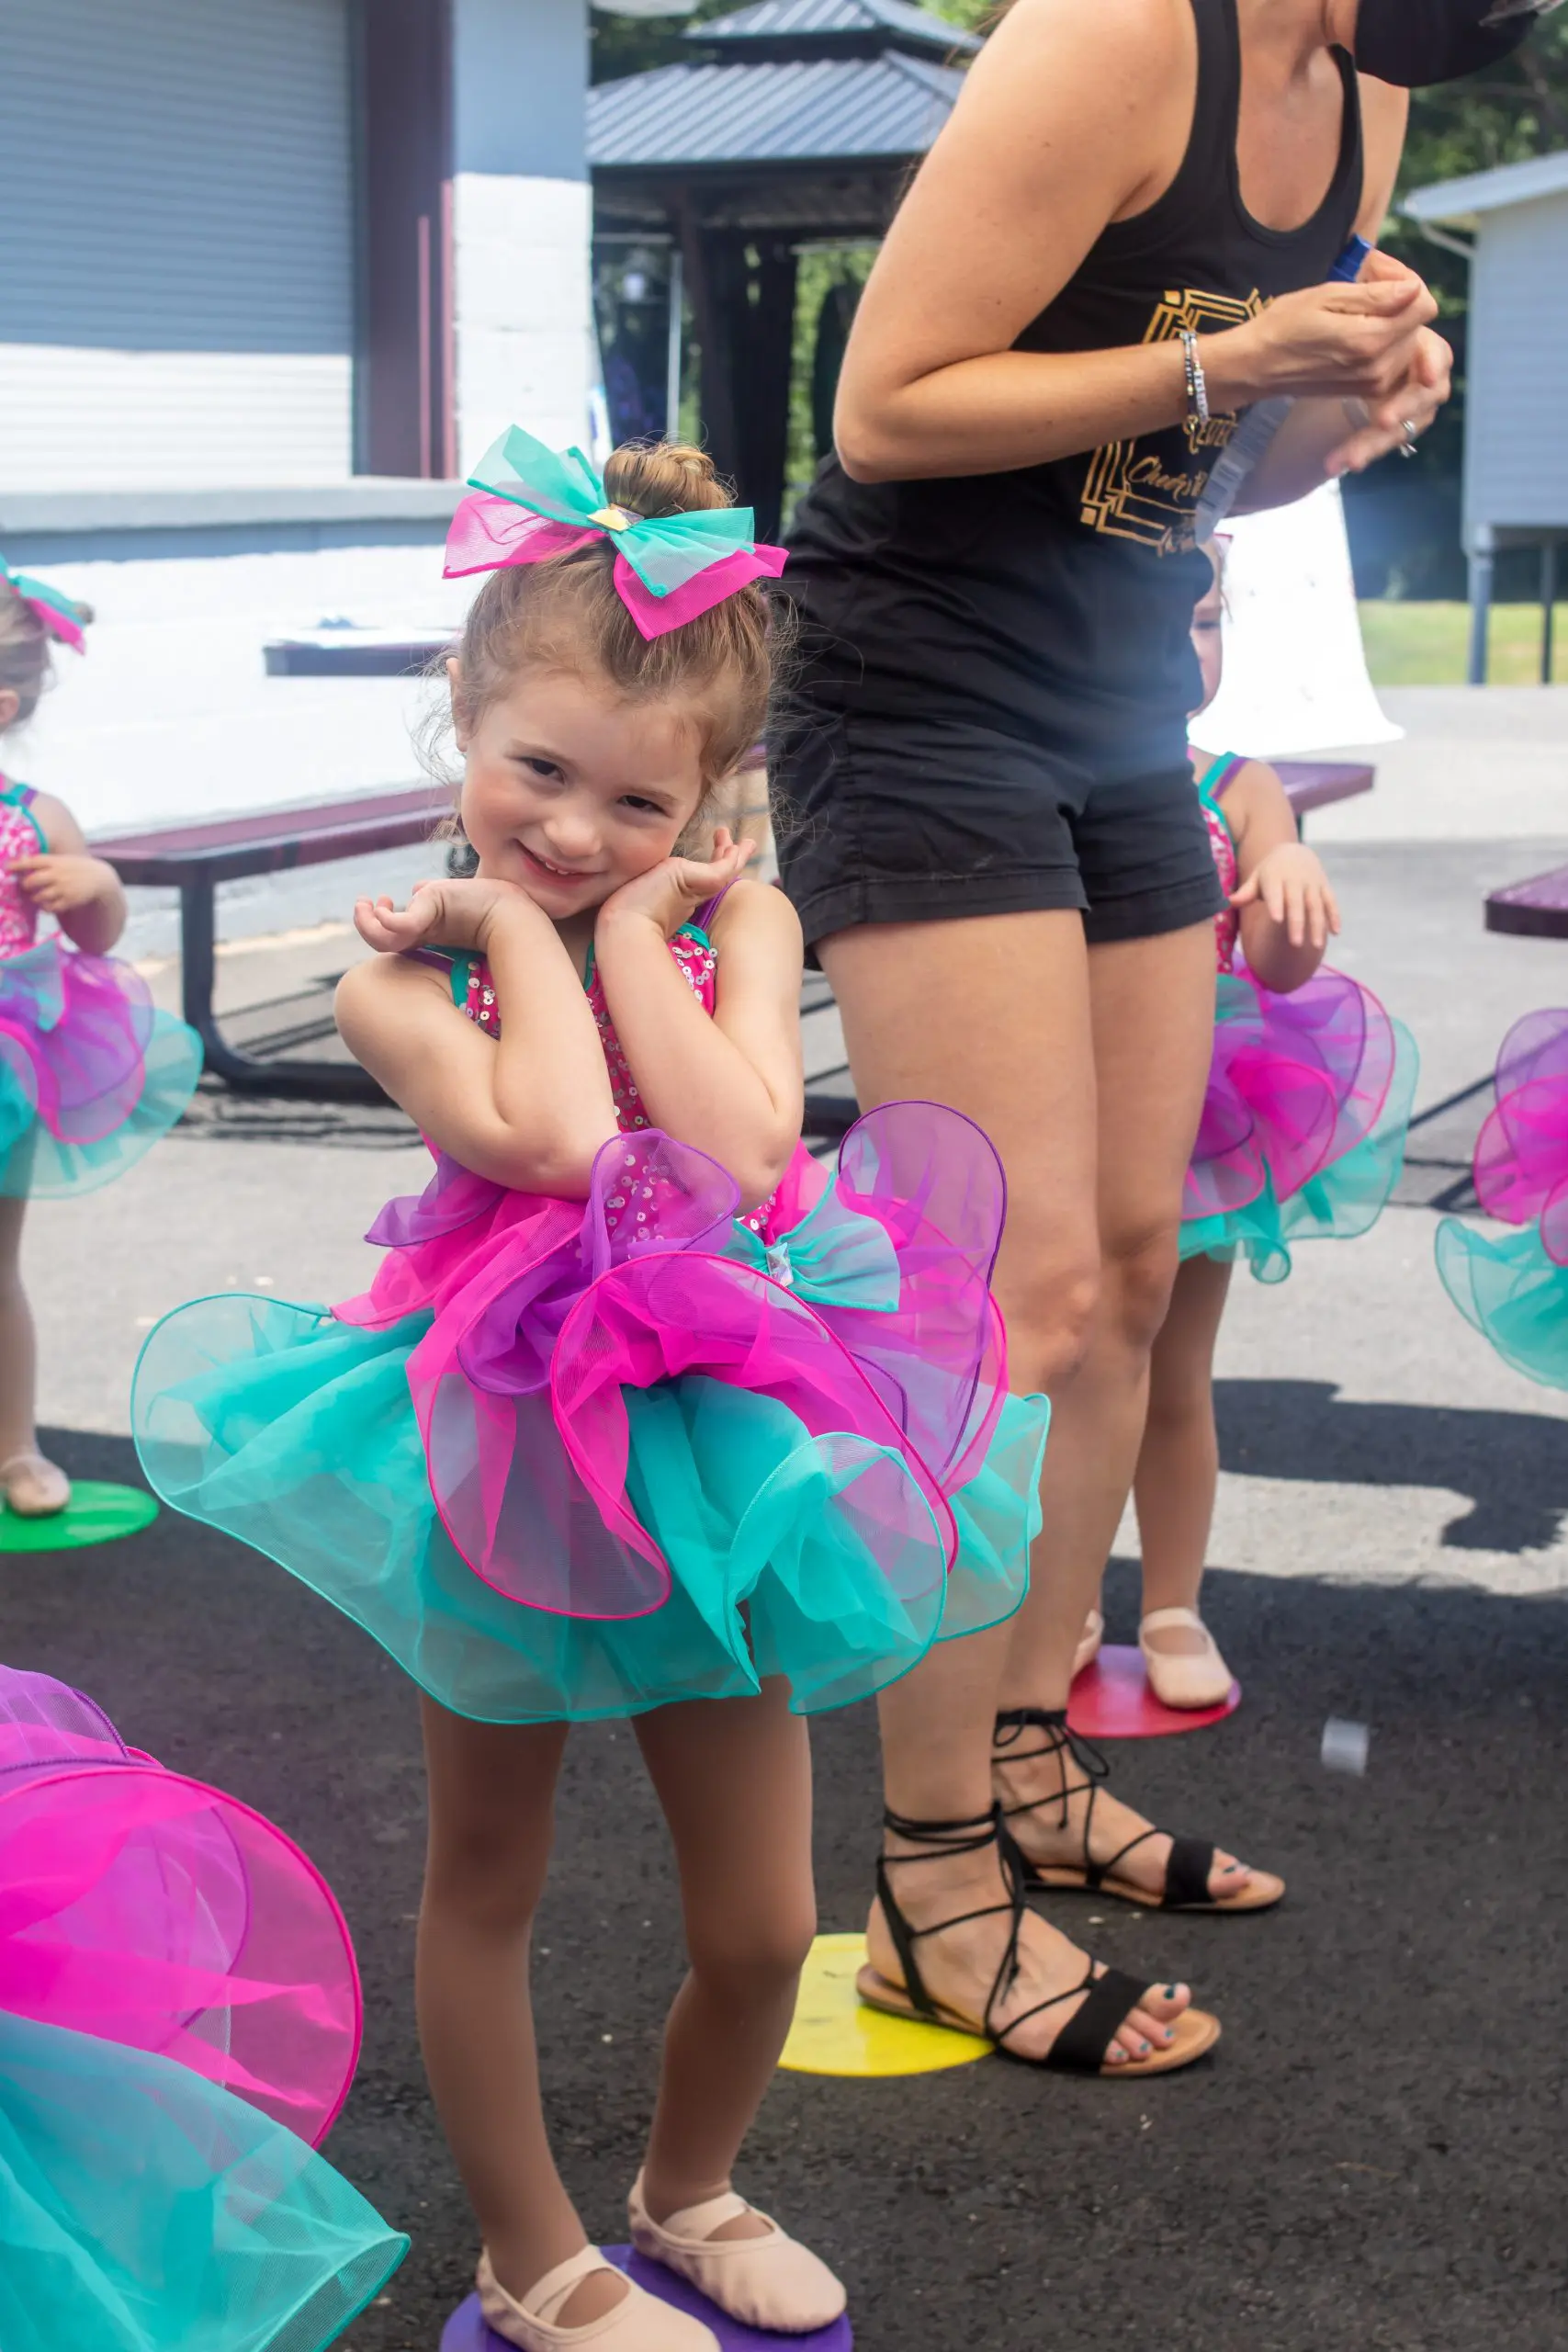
(653, 478)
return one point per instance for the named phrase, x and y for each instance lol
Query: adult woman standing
(1119, 240)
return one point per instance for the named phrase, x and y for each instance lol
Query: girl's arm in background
(731, 1086)
(81, 891)
(1287, 908)
(529, 1110)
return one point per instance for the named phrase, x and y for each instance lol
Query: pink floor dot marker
(1111, 1700)
(465, 2330)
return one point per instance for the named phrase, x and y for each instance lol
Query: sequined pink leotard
(698, 960)
(20, 836)
(1211, 789)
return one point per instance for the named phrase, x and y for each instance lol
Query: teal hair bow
(531, 503)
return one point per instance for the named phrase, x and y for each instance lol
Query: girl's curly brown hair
(25, 648)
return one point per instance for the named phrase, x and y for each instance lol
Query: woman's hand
(62, 883)
(669, 894)
(1361, 342)
(1292, 886)
(1398, 421)
(450, 913)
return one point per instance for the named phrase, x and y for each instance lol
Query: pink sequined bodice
(1227, 922)
(18, 838)
(698, 960)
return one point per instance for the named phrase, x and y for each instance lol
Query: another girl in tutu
(90, 1074)
(1302, 1137)
(1515, 1288)
(645, 1414)
(179, 2026)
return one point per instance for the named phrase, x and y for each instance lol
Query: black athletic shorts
(930, 819)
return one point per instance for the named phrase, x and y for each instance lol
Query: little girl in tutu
(1515, 1288)
(645, 1414)
(1301, 1137)
(90, 1074)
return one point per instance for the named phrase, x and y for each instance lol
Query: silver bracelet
(1197, 387)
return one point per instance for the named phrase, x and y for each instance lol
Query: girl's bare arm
(529, 1110)
(732, 1085)
(81, 891)
(1288, 911)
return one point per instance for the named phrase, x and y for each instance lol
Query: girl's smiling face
(568, 792)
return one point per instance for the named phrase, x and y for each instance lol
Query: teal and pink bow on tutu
(58, 615)
(527, 503)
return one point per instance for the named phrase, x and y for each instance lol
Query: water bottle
(1257, 427)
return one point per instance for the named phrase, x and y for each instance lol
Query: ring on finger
(1407, 446)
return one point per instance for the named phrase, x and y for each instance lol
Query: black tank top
(1055, 603)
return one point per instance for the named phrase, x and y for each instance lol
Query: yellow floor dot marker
(835, 2033)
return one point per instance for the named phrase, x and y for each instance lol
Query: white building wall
(1516, 451)
(177, 296)
(521, 219)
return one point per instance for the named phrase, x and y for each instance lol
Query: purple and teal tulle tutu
(179, 2023)
(1514, 1287)
(569, 1460)
(1304, 1120)
(91, 1073)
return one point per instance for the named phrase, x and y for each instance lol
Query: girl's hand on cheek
(669, 893)
(447, 914)
(1291, 884)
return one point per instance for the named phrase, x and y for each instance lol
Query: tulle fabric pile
(1304, 1120)
(179, 2025)
(567, 1459)
(91, 1073)
(1513, 1288)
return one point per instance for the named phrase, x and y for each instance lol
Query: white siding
(1516, 448)
(177, 302)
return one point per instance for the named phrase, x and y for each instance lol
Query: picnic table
(1536, 909)
(193, 859)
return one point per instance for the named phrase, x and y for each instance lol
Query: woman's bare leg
(491, 1804)
(734, 1778)
(1151, 1014)
(1178, 1462)
(32, 1488)
(992, 1016)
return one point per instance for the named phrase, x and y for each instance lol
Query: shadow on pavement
(1513, 1467)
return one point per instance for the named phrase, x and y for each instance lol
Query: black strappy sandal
(1109, 1995)
(1191, 1859)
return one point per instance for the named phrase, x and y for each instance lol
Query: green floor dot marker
(97, 1513)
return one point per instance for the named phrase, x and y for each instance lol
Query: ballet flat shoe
(638, 2322)
(1088, 1649)
(34, 1487)
(1199, 1679)
(767, 2282)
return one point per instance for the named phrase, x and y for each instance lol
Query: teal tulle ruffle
(295, 1434)
(1514, 1294)
(1345, 1199)
(38, 1165)
(144, 2210)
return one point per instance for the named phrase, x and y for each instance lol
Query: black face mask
(1414, 43)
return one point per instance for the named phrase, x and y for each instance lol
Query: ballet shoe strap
(1158, 1620)
(547, 2295)
(698, 2222)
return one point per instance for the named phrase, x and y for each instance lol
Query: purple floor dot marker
(465, 2330)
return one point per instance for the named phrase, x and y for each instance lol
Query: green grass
(1427, 645)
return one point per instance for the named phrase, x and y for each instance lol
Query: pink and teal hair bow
(56, 613)
(527, 503)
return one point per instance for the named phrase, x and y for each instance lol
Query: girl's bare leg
(1152, 1015)
(734, 1778)
(992, 1016)
(492, 1804)
(1178, 1462)
(36, 1487)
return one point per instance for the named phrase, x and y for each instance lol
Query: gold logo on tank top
(1146, 490)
